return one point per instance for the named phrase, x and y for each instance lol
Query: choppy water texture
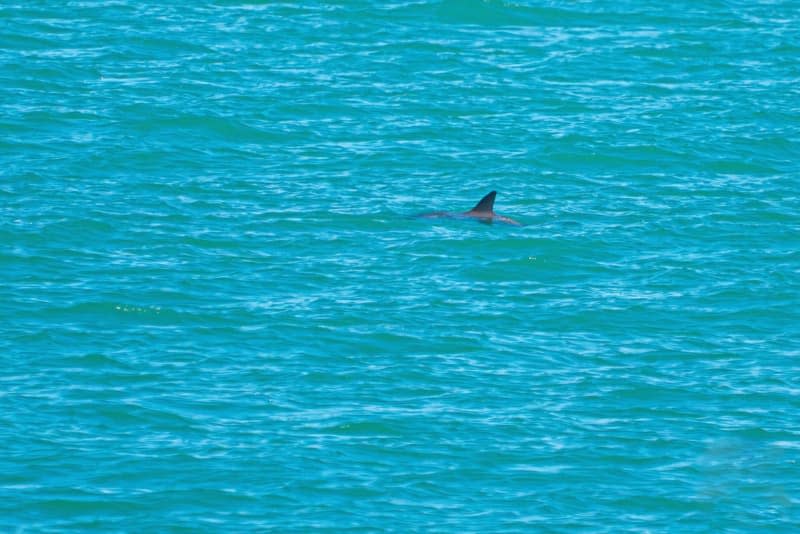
(218, 312)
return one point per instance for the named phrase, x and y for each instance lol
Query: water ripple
(219, 311)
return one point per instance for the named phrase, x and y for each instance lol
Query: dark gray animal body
(483, 211)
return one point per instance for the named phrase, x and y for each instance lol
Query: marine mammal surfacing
(483, 211)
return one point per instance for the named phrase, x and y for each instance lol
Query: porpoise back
(483, 211)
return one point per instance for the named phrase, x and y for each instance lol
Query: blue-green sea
(221, 312)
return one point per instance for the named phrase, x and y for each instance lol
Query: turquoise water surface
(219, 312)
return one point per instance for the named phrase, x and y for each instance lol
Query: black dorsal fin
(486, 205)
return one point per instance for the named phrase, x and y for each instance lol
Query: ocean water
(219, 313)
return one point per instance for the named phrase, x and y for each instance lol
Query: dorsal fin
(486, 205)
